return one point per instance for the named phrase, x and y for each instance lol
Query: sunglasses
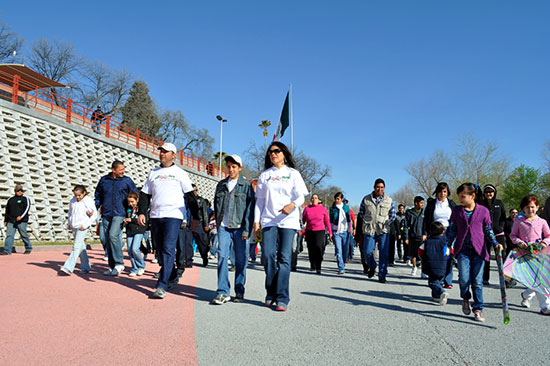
(275, 151)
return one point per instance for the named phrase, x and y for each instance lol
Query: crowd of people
(168, 212)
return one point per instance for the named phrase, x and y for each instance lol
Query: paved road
(332, 319)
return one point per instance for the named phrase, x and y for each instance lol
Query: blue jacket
(436, 255)
(241, 205)
(111, 193)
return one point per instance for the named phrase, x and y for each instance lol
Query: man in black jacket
(498, 220)
(16, 218)
(199, 223)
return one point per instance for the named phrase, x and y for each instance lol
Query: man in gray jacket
(234, 210)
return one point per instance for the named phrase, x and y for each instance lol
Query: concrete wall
(49, 156)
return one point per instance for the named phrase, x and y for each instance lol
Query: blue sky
(376, 84)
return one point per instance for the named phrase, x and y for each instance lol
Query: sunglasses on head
(275, 151)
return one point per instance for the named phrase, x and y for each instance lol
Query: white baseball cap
(168, 147)
(235, 159)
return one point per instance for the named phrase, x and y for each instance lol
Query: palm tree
(265, 124)
(217, 157)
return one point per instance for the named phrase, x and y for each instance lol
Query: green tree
(216, 159)
(139, 111)
(264, 125)
(522, 181)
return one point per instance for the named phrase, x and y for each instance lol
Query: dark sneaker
(318, 271)
(382, 280)
(370, 273)
(28, 251)
(157, 275)
(466, 308)
(221, 299)
(269, 302)
(478, 316)
(341, 272)
(281, 307)
(3, 252)
(159, 293)
(232, 269)
(238, 298)
(205, 262)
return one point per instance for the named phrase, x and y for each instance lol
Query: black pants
(401, 247)
(363, 259)
(391, 249)
(202, 241)
(315, 242)
(185, 242)
(501, 239)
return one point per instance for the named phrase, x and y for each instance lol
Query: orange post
(69, 109)
(15, 92)
(181, 157)
(137, 139)
(108, 126)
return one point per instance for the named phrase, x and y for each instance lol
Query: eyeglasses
(275, 151)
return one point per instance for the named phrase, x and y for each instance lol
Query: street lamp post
(221, 135)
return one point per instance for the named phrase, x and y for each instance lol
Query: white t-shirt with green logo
(277, 188)
(167, 187)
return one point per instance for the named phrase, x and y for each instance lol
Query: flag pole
(291, 120)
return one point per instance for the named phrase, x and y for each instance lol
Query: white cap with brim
(234, 159)
(168, 147)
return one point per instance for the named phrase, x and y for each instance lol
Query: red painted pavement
(91, 319)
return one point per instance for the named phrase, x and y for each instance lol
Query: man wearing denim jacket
(234, 202)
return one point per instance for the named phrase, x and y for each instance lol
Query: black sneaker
(238, 298)
(221, 299)
(3, 252)
(232, 269)
(156, 275)
(28, 251)
(205, 262)
(382, 280)
(370, 273)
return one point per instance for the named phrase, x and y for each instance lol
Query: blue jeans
(470, 272)
(21, 227)
(79, 250)
(369, 243)
(252, 249)
(448, 279)
(214, 243)
(134, 243)
(340, 246)
(226, 237)
(351, 246)
(277, 253)
(165, 233)
(112, 230)
(436, 284)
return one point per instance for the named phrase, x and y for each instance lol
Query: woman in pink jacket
(527, 230)
(315, 218)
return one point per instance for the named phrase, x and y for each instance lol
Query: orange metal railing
(47, 102)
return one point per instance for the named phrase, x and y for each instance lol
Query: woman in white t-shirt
(438, 209)
(279, 194)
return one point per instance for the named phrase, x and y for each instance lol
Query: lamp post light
(221, 135)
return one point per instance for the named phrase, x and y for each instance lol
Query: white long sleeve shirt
(277, 188)
(78, 215)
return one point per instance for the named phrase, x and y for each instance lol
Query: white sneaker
(526, 303)
(155, 260)
(132, 274)
(140, 271)
(117, 270)
(443, 298)
(105, 258)
(409, 263)
(108, 272)
(211, 257)
(413, 272)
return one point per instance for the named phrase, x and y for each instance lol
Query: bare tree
(473, 161)
(311, 170)
(10, 42)
(175, 128)
(405, 195)
(101, 85)
(56, 60)
(254, 160)
(546, 156)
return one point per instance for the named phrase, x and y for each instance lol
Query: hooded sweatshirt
(497, 211)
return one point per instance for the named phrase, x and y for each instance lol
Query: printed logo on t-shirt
(279, 178)
(165, 177)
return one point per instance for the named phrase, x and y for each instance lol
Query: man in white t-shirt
(164, 192)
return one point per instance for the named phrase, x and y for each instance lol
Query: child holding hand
(435, 253)
(134, 235)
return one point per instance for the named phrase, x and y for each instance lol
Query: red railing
(47, 102)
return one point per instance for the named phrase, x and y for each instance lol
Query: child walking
(134, 235)
(470, 225)
(526, 231)
(435, 253)
(82, 214)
